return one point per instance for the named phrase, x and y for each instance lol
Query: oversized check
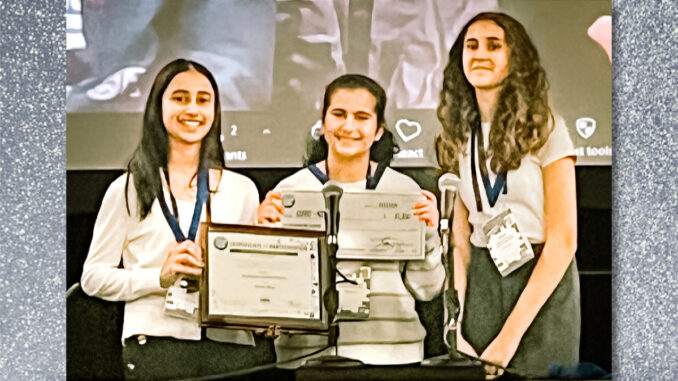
(259, 275)
(373, 225)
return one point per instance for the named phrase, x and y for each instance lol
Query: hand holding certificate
(373, 225)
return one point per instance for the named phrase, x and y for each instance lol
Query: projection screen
(272, 60)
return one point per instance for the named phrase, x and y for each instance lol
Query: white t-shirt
(525, 188)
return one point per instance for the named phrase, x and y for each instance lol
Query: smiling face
(188, 107)
(350, 123)
(485, 55)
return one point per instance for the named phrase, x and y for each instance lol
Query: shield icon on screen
(586, 127)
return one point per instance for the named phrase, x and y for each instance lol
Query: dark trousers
(554, 334)
(163, 358)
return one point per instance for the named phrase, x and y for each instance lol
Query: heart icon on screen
(407, 129)
(585, 127)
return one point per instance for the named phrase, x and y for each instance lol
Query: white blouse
(143, 246)
(525, 188)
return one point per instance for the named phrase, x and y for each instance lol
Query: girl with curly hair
(515, 158)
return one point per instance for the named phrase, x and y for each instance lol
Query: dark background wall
(85, 190)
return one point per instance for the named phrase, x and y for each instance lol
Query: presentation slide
(272, 60)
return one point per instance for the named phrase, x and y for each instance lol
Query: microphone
(447, 184)
(332, 193)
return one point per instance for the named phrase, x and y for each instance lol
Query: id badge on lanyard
(354, 296)
(182, 300)
(509, 249)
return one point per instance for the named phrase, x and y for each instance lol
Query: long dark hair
(522, 120)
(383, 149)
(152, 152)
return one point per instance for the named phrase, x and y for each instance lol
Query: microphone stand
(448, 184)
(450, 297)
(454, 360)
(331, 297)
(332, 194)
(454, 363)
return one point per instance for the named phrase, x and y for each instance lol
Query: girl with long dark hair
(148, 221)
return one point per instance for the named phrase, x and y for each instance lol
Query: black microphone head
(448, 181)
(332, 193)
(332, 188)
(448, 184)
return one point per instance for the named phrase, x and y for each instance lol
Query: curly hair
(522, 119)
(382, 150)
(152, 152)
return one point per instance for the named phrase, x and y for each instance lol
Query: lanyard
(371, 181)
(492, 191)
(203, 194)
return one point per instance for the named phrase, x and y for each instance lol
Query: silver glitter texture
(32, 179)
(645, 286)
(32, 200)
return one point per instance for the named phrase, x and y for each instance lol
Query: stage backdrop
(272, 60)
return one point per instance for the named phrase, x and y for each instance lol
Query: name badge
(354, 299)
(180, 302)
(509, 249)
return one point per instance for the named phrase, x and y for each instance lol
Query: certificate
(263, 276)
(373, 225)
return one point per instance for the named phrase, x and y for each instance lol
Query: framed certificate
(261, 277)
(373, 225)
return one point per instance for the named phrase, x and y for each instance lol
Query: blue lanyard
(491, 191)
(203, 194)
(371, 182)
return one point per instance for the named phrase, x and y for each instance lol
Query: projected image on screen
(272, 60)
(127, 42)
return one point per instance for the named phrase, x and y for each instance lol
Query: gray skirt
(553, 336)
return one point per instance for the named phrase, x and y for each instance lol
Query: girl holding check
(355, 149)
